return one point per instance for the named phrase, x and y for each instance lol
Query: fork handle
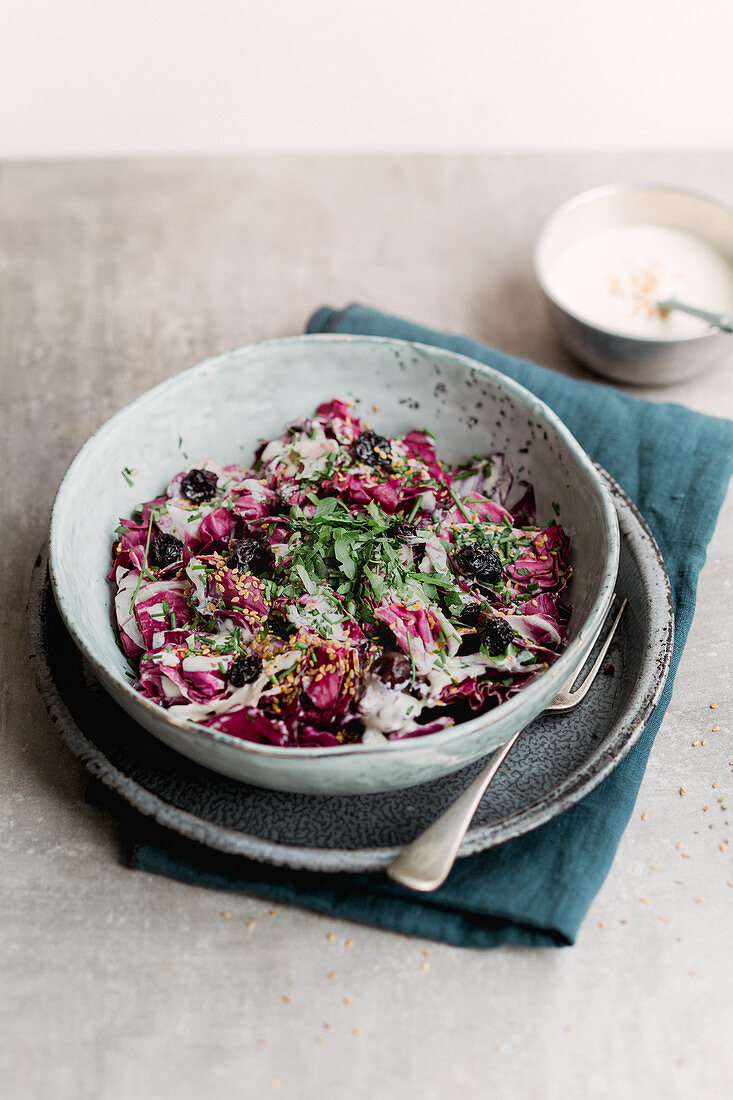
(425, 864)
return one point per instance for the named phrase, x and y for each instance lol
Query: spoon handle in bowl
(425, 864)
(717, 320)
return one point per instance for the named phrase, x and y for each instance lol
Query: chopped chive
(459, 504)
(145, 563)
(412, 662)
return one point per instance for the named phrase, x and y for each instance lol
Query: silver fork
(426, 862)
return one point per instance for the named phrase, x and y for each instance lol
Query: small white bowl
(221, 409)
(638, 360)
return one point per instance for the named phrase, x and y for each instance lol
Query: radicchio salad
(346, 588)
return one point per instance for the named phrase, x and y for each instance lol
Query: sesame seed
(682, 790)
(713, 706)
(644, 901)
(716, 784)
(643, 817)
(349, 943)
(715, 729)
(356, 1030)
(286, 998)
(680, 844)
(251, 924)
(425, 965)
(226, 914)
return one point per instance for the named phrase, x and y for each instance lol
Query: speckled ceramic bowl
(220, 409)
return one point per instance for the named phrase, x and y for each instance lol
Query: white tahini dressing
(614, 277)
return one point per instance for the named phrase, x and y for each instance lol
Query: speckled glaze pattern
(557, 760)
(220, 409)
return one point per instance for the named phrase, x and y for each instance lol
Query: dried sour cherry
(373, 449)
(245, 670)
(484, 566)
(199, 486)
(248, 556)
(164, 550)
(470, 614)
(406, 532)
(495, 635)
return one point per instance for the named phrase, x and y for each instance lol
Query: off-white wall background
(118, 77)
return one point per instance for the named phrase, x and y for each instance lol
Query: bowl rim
(558, 671)
(582, 199)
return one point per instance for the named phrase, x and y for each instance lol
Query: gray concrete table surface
(118, 984)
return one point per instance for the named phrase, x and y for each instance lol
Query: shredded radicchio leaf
(349, 586)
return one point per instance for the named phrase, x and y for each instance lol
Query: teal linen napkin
(675, 464)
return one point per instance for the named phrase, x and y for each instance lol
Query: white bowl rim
(597, 193)
(559, 671)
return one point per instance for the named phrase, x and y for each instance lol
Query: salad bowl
(221, 409)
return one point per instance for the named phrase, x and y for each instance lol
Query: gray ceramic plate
(557, 760)
(219, 408)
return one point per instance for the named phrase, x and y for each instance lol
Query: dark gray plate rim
(617, 741)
